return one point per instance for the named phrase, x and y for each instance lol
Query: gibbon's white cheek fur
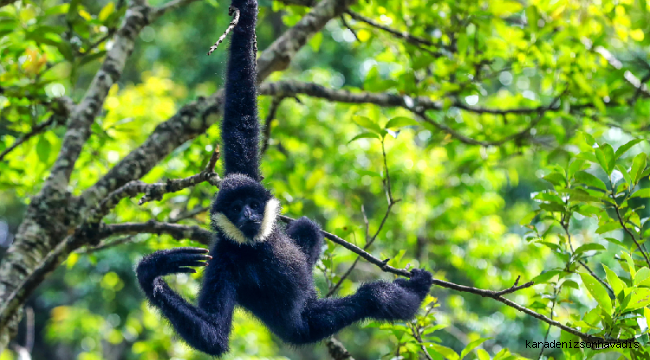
(271, 211)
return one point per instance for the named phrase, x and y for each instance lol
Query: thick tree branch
(178, 232)
(40, 244)
(418, 105)
(73, 242)
(194, 118)
(293, 88)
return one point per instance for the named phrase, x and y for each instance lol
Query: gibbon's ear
(271, 211)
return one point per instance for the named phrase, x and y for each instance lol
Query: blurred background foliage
(475, 214)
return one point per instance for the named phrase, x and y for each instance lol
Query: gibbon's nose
(247, 212)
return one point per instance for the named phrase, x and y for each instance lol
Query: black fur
(240, 129)
(272, 276)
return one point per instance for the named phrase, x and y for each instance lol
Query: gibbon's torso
(274, 271)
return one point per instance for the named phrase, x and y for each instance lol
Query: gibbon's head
(244, 211)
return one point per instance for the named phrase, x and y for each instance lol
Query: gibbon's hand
(172, 261)
(420, 282)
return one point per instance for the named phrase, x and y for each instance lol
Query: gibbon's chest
(273, 271)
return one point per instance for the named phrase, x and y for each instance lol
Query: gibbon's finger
(193, 263)
(176, 258)
(188, 250)
(185, 270)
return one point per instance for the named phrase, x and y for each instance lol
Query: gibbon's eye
(255, 205)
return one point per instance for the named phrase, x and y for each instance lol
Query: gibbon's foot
(397, 300)
(172, 261)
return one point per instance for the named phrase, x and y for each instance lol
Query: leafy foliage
(517, 150)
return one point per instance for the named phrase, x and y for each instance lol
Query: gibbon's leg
(306, 234)
(205, 328)
(390, 301)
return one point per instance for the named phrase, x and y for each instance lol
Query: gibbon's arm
(206, 327)
(240, 127)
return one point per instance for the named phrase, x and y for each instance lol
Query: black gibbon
(254, 262)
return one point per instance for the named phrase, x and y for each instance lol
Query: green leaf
(640, 298)
(446, 352)
(57, 10)
(545, 276)
(638, 165)
(646, 314)
(91, 57)
(368, 124)
(367, 172)
(602, 160)
(641, 275)
(552, 207)
(484, 355)
(43, 149)
(598, 291)
(528, 218)
(624, 172)
(590, 180)
(576, 165)
(630, 264)
(106, 11)
(589, 139)
(609, 155)
(607, 227)
(642, 193)
(579, 195)
(555, 178)
(613, 280)
(592, 316)
(400, 121)
(625, 147)
(316, 41)
(505, 8)
(365, 135)
(471, 346)
(588, 247)
(570, 284)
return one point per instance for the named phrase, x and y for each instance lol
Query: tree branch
(336, 350)
(61, 106)
(418, 105)
(177, 231)
(404, 35)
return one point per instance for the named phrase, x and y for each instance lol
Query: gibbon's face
(247, 215)
(243, 210)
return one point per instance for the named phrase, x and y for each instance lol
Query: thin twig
(627, 230)
(555, 293)
(565, 225)
(345, 23)
(231, 26)
(370, 240)
(35, 131)
(275, 104)
(415, 330)
(414, 40)
(213, 160)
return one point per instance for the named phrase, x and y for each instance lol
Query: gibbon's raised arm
(240, 128)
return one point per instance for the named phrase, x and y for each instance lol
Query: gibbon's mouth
(250, 227)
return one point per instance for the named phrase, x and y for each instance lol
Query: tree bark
(53, 214)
